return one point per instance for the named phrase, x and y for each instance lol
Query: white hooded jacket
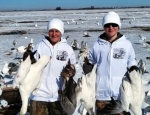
(51, 82)
(112, 63)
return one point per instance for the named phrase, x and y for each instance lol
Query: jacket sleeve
(36, 55)
(72, 56)
(131, 59)
(92, 57)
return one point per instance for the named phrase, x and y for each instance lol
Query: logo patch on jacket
(119, 53)
(62, 55)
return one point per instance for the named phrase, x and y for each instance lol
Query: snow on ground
(33, 23)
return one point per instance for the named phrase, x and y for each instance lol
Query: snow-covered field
(32, 25)
(22, 26)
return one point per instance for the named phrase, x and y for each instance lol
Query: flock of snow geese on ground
(144, 41)
(79, 21)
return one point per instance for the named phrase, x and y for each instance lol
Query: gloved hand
(87, 68)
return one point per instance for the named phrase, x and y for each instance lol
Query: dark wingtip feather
(132, 68)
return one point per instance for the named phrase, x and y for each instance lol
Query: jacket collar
(47, 41)
(104, 37)
(103, 40)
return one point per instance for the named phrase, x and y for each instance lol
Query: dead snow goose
(29, 84)
(132, 92)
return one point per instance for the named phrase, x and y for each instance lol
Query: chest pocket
(62, 55)
(119, 53)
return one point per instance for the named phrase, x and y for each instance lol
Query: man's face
(111, 30)
(54, 35)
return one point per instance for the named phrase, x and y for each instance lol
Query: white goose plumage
(132, 92)
(29, 84)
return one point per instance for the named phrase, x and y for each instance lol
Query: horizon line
(84, 8)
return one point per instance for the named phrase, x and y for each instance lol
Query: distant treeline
(87, 8)
(92, 7)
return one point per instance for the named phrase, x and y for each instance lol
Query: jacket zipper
(110, 69)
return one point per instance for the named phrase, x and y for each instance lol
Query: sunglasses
(110, 24)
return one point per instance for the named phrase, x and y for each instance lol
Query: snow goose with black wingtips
(132, 92)
(29, 85)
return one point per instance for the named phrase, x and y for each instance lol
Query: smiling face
(111, 31)
(54, 36)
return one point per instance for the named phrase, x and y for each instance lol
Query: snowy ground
(135, 22)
